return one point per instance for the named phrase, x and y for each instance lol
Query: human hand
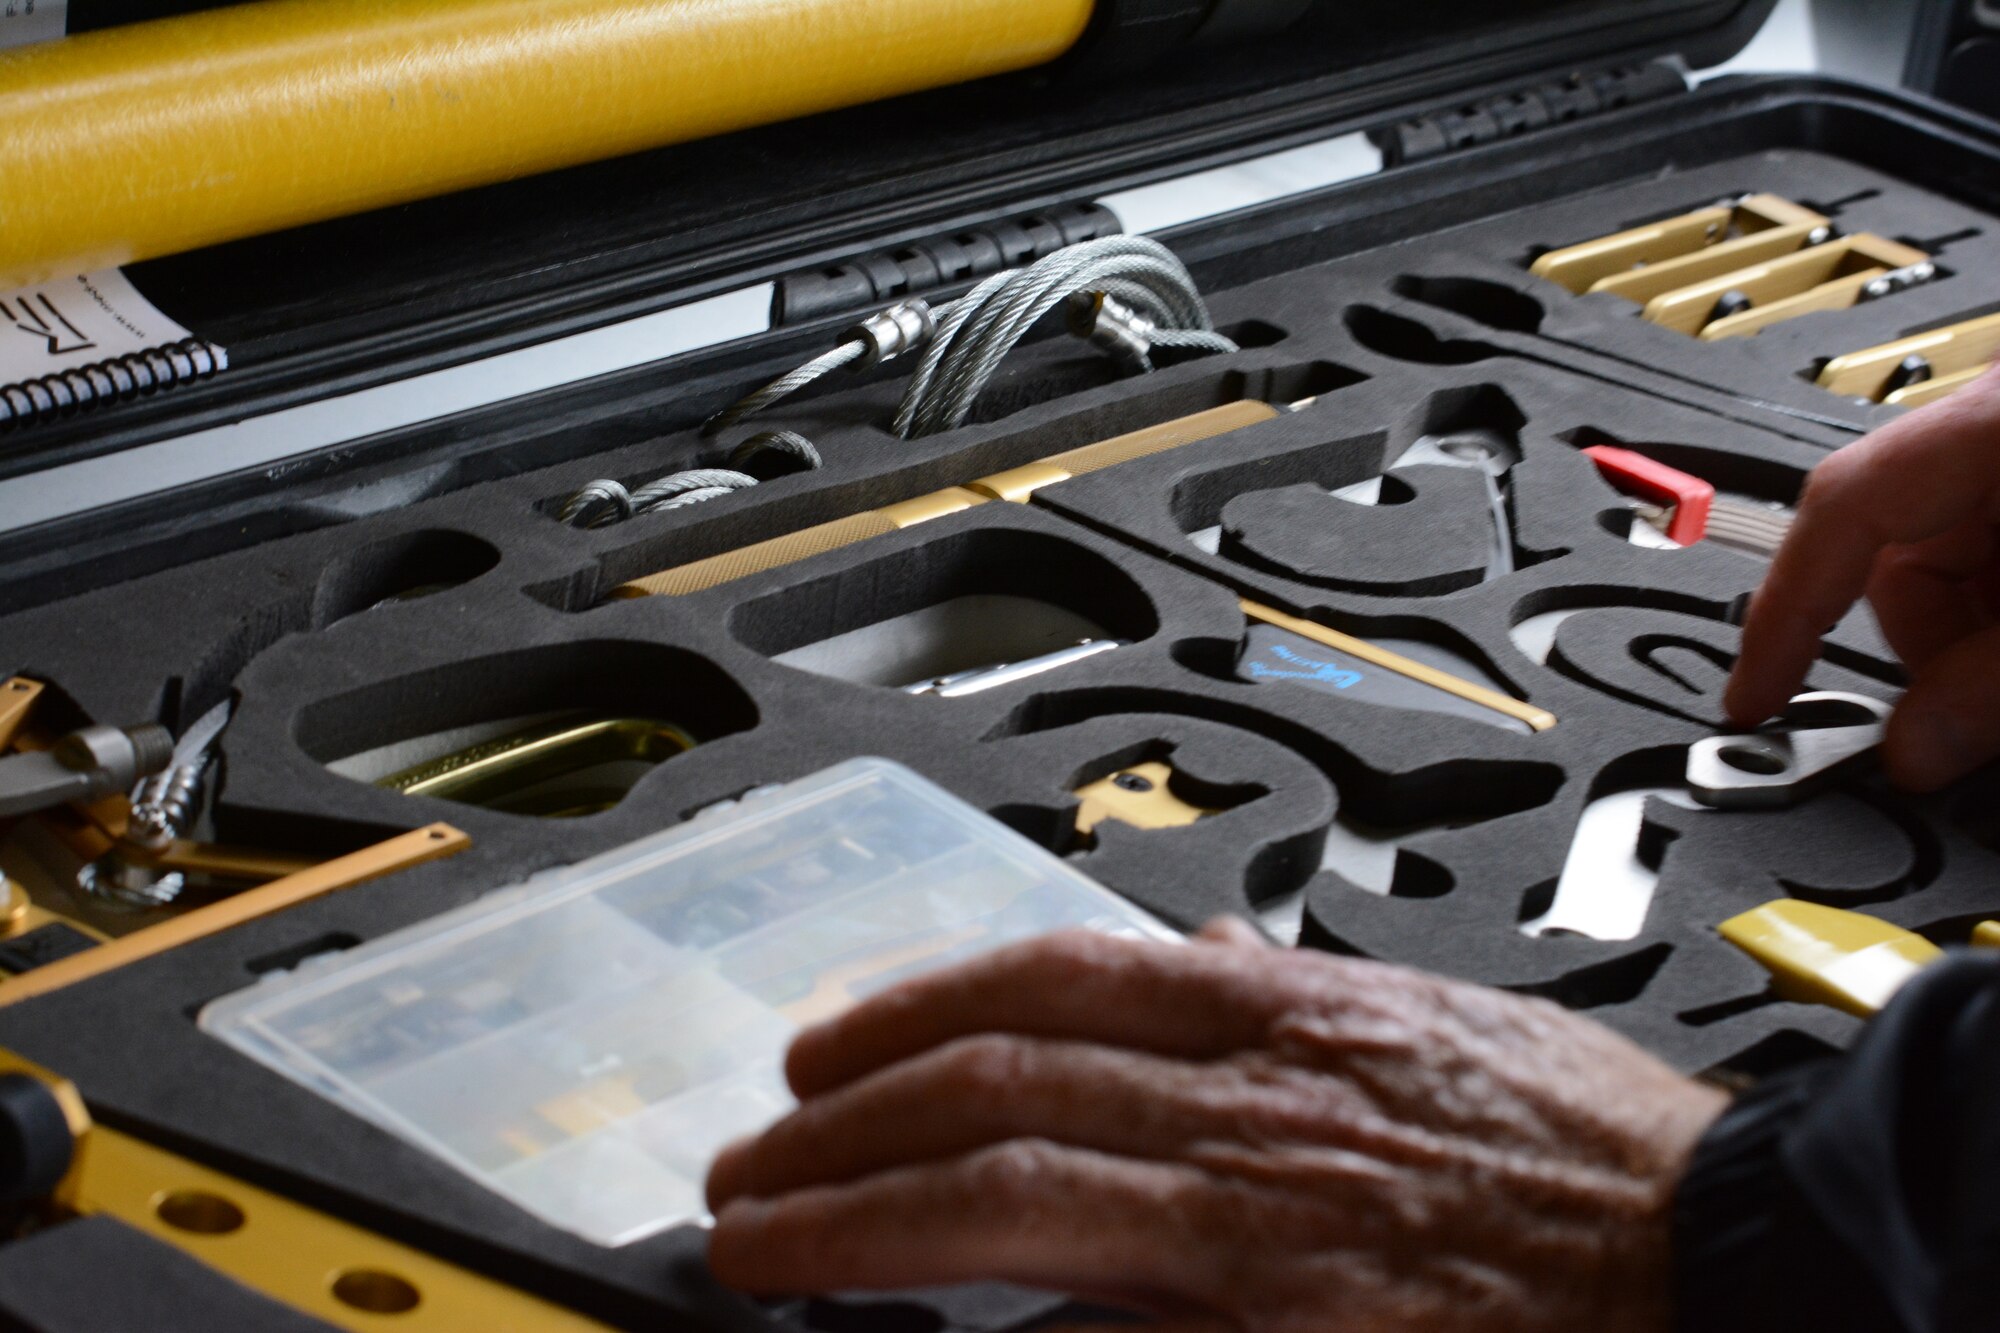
(1227, 1136)
(1907, 516)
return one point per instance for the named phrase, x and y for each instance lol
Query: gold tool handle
(1017, 484)
(1540, 719)
(399, 853)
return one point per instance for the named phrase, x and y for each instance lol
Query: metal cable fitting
(897, 331)
(1104, 321)
(1154, 304)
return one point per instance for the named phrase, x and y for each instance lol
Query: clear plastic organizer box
(585, 1041)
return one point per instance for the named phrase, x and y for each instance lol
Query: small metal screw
(1132, 782)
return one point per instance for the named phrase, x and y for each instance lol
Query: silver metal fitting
(1898, 280)
(127, 885)
(1109, 323)
(897, 331)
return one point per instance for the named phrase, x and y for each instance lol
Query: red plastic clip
(1637, 475)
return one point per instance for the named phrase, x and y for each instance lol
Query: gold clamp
(1734, 270)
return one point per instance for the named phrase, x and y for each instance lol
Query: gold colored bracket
(312, 1261)
(384, 858)
(17, 700)
(1540, 719)
(1948, 359)
(1142, 796)
(1684, 249)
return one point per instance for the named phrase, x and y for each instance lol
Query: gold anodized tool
(309, 1260)
(1537, 719)
(1919, 369)
(1016, 485)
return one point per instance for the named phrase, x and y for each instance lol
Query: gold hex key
(1919, 369)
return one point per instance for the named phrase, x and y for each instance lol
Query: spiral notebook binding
(28, 401)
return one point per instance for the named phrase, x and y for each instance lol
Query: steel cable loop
(787, 444)
(785, 386)
(602, 503)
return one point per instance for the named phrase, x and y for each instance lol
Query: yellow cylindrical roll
(159, 137)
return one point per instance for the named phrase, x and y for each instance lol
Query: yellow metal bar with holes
(1539, 719)
(153, 138)
(398, 853)
(1590, 265)
(1955, 356)
(1016, 485)
(310, 1260)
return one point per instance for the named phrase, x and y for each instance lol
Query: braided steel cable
(604, 502)
(965, 340)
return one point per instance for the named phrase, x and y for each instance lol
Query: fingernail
(1930, 750)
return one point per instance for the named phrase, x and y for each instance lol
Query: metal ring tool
(1817, 736)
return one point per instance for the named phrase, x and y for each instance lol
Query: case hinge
(1533, 108)
(936, 262)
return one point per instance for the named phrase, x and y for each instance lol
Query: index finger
(1910, 481)
(1192, 1001)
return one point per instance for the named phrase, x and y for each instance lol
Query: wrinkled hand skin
(1225, 1136)
(1909, 518)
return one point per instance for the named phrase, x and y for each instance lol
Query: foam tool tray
(376, 604)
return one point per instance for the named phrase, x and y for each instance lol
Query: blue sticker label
(1298, 666)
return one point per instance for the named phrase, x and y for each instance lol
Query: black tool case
(1400, 301)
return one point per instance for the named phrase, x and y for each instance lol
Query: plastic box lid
(584, 1042)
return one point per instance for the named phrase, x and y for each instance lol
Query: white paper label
(77, 321)
(25, 21)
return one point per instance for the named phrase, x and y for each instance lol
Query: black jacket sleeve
(1861, 1193)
